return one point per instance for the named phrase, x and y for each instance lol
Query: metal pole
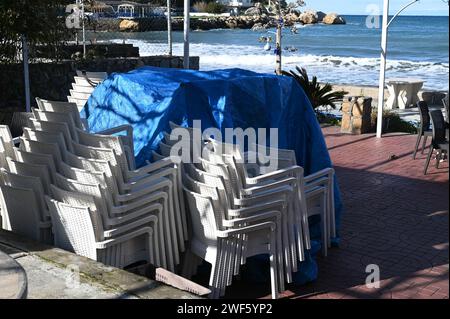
(382, 67)
(169, 26)
(384, 38)
(84, 31)
(187, 8)
(26, 73)
(278, 40)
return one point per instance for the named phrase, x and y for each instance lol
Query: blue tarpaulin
(148, 98)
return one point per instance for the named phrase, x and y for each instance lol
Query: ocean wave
(330, 68)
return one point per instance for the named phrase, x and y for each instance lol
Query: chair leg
(430, 153)
(438, 158)
(424, 143)
(419, 137)
(273, 268)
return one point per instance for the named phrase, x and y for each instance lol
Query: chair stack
(234, 216)
(81, 191)
(84, 85)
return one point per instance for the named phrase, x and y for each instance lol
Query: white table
(403, 92)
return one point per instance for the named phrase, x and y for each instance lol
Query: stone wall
(53, 81)
(431, 97)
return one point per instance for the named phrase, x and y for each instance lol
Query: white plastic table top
(403, 92)
(404, 81)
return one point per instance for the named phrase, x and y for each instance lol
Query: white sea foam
(334, 69)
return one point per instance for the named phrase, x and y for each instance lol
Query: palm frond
(319, 95)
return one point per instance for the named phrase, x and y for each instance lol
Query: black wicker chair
(424, 127)
(439, 142)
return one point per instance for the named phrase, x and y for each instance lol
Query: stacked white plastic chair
(285, 187)
(22, 207)
(225, 237)
(84, 85)
(98, 182)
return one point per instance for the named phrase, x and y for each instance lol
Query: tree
(278, 7)
(42, 22)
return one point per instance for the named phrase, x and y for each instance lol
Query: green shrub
(393, 123)
(215, 7)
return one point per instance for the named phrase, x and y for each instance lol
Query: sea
(418, 47)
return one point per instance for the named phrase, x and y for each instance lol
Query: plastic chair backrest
(53, 127)
(37, 158)
(438, 126)
(47, 137)
(57, 117)
(424, 115)
(203, 219)
(20, 212)
(28, 169)
(28, 182)
(73, 228)
(81, 200)
(61, 107)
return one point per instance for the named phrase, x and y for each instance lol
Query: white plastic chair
(99, 171)
(232, 156)
(127, 214)
(209, 241)
(112, 153)
(248, 216)
(22, 214)
(74, 230)
(323, 178)
(259, 196)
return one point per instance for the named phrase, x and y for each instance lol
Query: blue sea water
(418, 47)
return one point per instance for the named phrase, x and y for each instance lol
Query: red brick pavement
(394, 217)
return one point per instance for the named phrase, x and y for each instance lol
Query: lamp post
(169, 27)
(187, 8)
(384, 37)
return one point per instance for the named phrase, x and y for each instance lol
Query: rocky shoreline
(256, 22)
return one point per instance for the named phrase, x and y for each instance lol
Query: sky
(423, 7)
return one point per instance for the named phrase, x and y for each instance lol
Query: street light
(384, 36)
(187, 8)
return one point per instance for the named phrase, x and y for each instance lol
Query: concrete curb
(92, 272)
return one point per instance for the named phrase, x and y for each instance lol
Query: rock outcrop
(129, 26)
(320, 16)
(309, 17)
(333, 18)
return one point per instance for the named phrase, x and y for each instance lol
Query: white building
(237, 3)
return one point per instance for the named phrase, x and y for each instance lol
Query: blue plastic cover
(148, 98)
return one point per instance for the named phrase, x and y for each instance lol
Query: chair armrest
(318, 182)
(262, 198)
(329, 172)
(121, 128)
(247, 229)
(111, 242)
(247, 211)
(149, 168)
(120, 229)
(281, 173)
(270, 186)
(236, 222)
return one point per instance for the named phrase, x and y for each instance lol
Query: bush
(41, 21)
(393, 123)
(215, 7)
